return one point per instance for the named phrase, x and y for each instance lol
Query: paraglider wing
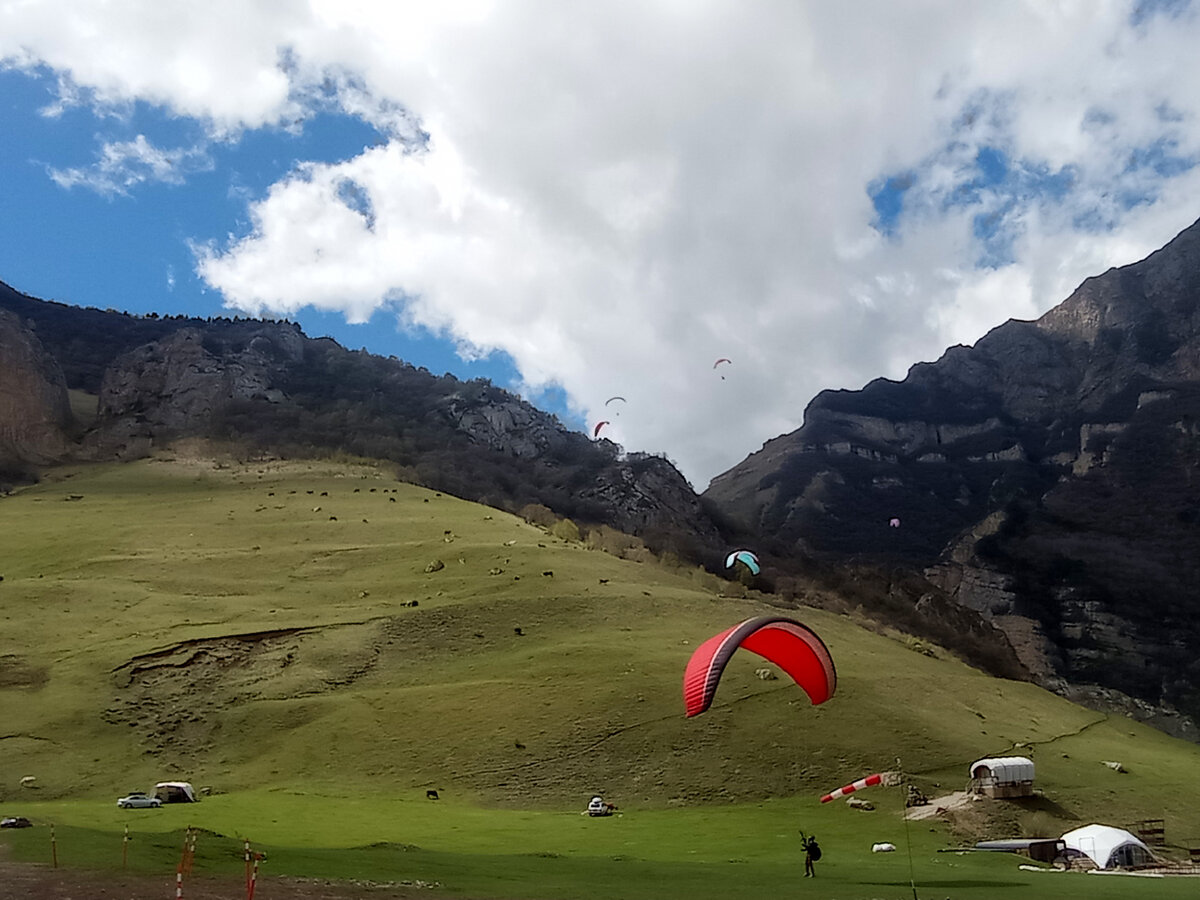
(611, 399)
(746, 558)
(792, 646)
(722, 360)
(596, 430)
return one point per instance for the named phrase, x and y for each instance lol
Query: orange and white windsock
(856, 786)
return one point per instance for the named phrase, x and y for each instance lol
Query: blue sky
(582, 201)
(129, 247)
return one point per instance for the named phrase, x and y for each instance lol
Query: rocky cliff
(1044, 477)
(35, 414)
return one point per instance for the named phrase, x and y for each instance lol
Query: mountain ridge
(1020, 470)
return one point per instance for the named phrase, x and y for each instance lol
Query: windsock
(851, 788)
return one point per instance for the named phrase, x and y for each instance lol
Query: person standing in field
(812, 853)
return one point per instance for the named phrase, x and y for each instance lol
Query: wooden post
(53, 848)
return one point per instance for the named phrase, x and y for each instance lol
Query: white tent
(175, 792)
(1109, 847)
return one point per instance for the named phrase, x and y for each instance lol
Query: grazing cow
(548, 573)
(432, 795)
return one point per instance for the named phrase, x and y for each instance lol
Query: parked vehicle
(15, 822)
(139, 800)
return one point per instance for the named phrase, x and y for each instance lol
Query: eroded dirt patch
(18, 672)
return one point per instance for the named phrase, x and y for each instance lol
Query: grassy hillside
(271, 631)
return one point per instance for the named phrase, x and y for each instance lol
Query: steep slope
(1043, 476)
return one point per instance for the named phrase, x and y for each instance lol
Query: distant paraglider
(746, 558)
(599, 425)
(789, 644)
(611, 399)
(722, 361)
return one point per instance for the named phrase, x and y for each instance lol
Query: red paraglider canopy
(599, 425)
(792, 646)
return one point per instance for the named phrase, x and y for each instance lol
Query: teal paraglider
(746, 558)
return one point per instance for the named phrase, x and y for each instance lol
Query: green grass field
(270, 631)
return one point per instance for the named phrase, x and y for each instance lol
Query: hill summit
(139, 383)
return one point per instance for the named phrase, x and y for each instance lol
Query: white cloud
(122, 165)
(617, 194)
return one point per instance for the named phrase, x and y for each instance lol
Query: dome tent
(1108, 847)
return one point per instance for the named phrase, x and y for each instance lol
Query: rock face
(34, 411)
(1044, 477)
(174, 386)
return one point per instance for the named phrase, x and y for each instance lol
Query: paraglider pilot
(812, 852)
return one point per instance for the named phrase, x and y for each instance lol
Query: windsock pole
(912, 880)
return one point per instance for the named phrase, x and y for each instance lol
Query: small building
(1002, 777)
(175, 792)
(1108, 847)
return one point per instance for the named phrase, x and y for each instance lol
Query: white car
(139, 800)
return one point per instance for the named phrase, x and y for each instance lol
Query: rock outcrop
(174, 386)
(35, 414)
(1043, 478)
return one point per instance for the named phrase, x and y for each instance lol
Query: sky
(582, 200)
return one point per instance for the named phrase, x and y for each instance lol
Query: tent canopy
(1108, 847)
(1004, 769)
(175, 792)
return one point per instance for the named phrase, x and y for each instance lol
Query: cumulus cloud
(618, 194)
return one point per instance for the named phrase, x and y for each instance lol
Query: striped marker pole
(125, 849)
(253, 879)
(247, 868)
(178, 884)
(53, 848)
